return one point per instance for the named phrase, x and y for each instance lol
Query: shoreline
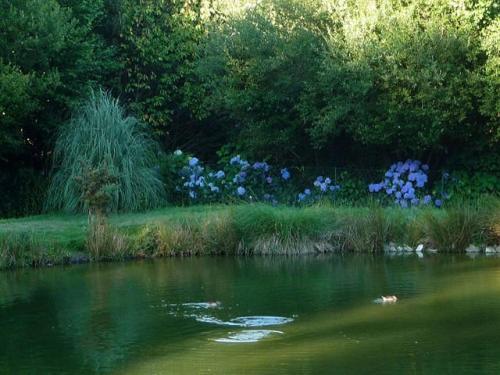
(247, 230)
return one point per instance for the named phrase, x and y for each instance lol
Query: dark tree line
(314, 83)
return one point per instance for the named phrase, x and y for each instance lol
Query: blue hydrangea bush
(238, 179)
(323, 188)
(405, 184)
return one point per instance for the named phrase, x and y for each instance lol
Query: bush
(101, 136)
(471, 186)
(404, 184)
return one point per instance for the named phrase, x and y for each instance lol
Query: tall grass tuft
(211, 235)
(369, 230)
(105, 243)
(101, 136)
(22, 249)
(454, 229)
(264, 229)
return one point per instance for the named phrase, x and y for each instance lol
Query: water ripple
(247, 336)
(244, 321)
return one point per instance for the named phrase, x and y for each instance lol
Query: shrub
(97, 186)
(101, 136)
(471, 186)
(405, 183)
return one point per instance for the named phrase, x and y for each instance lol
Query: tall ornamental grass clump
(280, 230)
(462, 224)
(368, 230)
(99, 136)
(213, 235)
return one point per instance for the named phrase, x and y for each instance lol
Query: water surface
(301, 315)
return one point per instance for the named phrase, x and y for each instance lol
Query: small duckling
(389, 299)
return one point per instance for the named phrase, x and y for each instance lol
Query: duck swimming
(389, 298)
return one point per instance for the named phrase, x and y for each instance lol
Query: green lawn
(69, 228)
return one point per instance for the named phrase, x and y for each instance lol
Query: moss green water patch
(419, 333)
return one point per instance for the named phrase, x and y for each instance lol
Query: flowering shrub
(255, 181)
(199, 183)
(405, 184)
(238, 179)
(322, 188)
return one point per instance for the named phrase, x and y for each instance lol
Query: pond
(274, 315)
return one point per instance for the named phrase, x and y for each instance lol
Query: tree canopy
(312, 83)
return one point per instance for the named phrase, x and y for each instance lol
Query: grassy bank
(245, 230)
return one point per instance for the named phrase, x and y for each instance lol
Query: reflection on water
(195, 305)
(132, 318)
(247, 336)
(243, 321)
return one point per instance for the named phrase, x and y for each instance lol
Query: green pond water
(277, 315)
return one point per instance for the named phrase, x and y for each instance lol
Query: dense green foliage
(354, 84)
(415, 79)
(99, 148)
